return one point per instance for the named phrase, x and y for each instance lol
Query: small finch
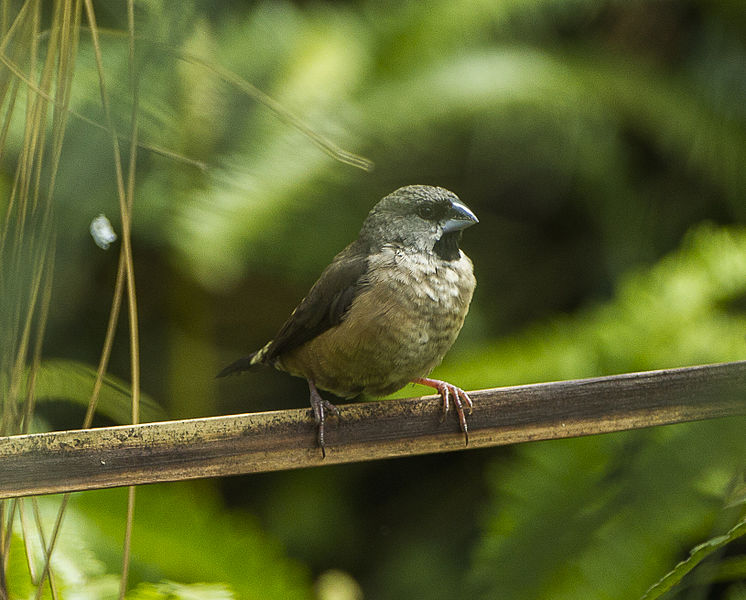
(386, 310)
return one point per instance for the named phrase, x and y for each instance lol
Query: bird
(385, 311)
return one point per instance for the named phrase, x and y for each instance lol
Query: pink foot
(460, 398)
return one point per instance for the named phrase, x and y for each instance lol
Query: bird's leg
(460, 398)
(320, 406)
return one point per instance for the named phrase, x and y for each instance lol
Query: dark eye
(426, 211)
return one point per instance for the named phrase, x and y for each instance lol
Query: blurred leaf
(736, 592)
(737, 495)
(696, 556)
(596, 517)
(77, 572)
(254, 193)
(17, 573)
(169, 590)
(682, 311)
(182, 532)
(73, 381)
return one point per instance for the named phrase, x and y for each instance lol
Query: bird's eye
(425, 211)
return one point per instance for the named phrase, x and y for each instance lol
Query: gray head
(419, 218)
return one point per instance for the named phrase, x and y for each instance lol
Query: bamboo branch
(269, 441)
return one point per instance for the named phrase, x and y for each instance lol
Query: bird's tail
(242, 364)
(246, 362)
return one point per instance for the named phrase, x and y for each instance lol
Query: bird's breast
(400, 325)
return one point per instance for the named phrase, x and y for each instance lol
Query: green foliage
(72, 381)
(183, 533)
(175, 591)
(17, 573)
(683, 311)
(596, 517)
(602, 145)
(76, 571)
(696, 556)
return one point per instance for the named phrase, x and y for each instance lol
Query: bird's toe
(460, 399)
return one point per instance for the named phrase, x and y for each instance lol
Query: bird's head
(419, 218)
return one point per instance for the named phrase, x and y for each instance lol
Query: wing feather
(324, 306)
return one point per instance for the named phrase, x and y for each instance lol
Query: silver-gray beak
(460, 217)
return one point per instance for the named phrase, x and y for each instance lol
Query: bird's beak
(459, 217)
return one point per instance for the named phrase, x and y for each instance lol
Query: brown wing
(325, 304)
(323, 307)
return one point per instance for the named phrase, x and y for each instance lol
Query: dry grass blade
(285, 115)
(125, 204)
(19, 75)
(41, 326)
(133, 313)
(26, 240)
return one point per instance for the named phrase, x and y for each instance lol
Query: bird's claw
(460, 400)
(320, 406)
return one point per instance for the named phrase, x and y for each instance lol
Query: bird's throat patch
(447, 246)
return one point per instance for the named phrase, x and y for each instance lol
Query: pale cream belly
(390, 335)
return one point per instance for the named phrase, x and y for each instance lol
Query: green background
(602, 145)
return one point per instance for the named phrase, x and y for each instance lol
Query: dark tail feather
(242, 364)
